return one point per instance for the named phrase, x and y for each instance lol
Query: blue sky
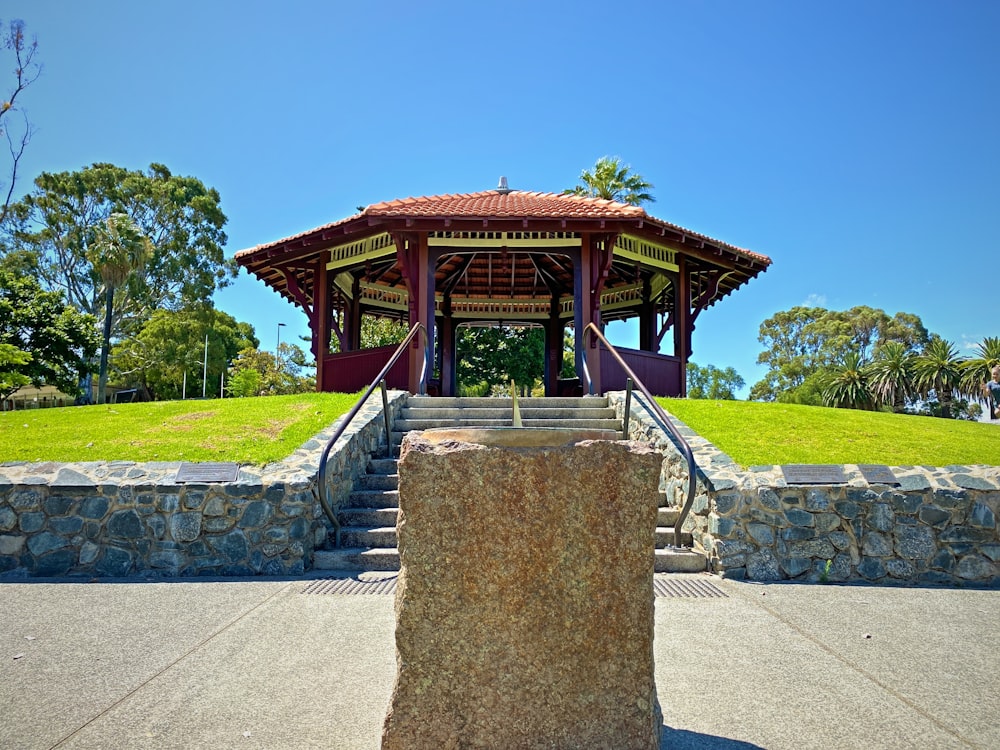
(855, 143)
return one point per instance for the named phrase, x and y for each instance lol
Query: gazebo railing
(656, 412)
(379, 381)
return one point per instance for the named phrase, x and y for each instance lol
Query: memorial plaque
(207, 473)
(814, 474)
(877, 474)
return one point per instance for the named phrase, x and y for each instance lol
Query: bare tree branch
(26, 72)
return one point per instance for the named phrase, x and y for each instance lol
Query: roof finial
(502, 187)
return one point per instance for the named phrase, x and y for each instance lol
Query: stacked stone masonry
(937, 526)
(115, 519)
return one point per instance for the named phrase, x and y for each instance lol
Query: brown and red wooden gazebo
(502, 256)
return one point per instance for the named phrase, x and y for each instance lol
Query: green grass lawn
(753, 433)
(256, 431)
(251, 431)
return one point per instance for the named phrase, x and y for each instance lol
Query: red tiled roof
(486, 204)
(285, 264)
(516, 203)
(494, 204)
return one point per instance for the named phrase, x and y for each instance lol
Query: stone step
(406, 425)
(480, 413)
(388, 502)
(368, 531)
(665, 537)
(377, 482)
(370, 537)
(373, 499)
(387, 558)
(377, 528)
(368, 516)
(356, 558)
(383, 466)
(489, 402)
(380, 512)
(667, 516)
(679, 561)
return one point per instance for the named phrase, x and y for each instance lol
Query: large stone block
(524, 609)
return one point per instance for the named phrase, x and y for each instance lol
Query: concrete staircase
(368, 520)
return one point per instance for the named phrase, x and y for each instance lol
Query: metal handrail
(379, 380)
(659, 416)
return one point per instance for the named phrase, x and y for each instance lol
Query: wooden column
(553, 348)
(418, 271)
(446, 337)
(595, 262)
(682, 320)
(582, 312)
(647, 319)
(354, 335)
(320, 321)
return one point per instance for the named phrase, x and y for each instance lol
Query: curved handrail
(321, 477)
(660, 416)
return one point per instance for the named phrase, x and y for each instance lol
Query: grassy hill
(755, 433)
(246, 430)
(259, 430)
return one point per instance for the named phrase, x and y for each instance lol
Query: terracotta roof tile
(496, 204)
(516, 203)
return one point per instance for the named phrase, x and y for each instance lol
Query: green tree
(376, 332)
(60, 220)
(60, 339)
(802, 343)
(613, 181)
(26, 72)
(171, 347)
(890, 375)
(938, 373)
(11, 378)
(269, 377)
(244, 383)
(495, 355)
(712, 383)
(792, 352)
(118, 251)
(846, 384)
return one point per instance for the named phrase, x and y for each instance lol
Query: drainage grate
(352, 586)
(686, 588)
(668, 588)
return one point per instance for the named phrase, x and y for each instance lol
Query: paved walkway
(261, 664)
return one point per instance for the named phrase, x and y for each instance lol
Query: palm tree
(119, 250)
(978, 370)
(939, 369)
(846, 385)
(891, 375)
(613, 181)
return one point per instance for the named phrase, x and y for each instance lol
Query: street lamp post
(204, 372)
(277, 349)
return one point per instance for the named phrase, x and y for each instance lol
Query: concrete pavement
(261, 664)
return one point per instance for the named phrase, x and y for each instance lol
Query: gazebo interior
(503, 257)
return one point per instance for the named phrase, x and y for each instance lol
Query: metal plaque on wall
(207, 472)
(814, 474)
(877, 474)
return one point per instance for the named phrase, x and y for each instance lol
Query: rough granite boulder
(524, 607)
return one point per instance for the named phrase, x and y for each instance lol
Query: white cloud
(968, 343)
(815, 300)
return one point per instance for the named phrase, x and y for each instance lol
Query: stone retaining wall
(939, 525)
(120, 518)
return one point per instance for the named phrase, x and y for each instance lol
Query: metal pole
(204, 372)
(277, 349)
(184, 387)
(628, 408)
